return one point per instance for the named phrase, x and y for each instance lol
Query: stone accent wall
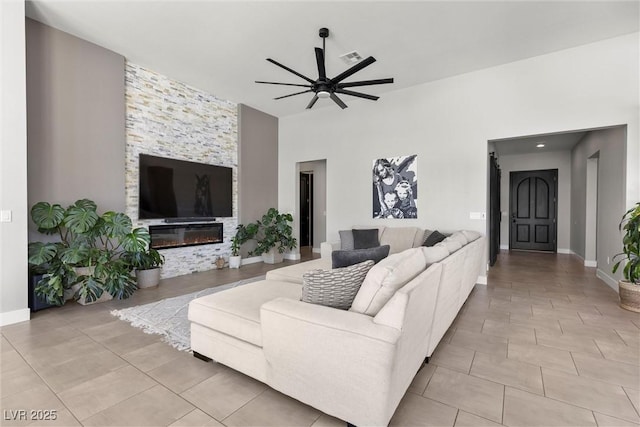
(167, 118)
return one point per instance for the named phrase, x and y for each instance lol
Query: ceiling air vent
(351, 57)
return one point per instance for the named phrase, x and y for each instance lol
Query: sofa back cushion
(334, 288)
(401, 238)
(385, 278)
(470, 235)
(459, 237)
(434, 253)
(452, 245)
(342, 258)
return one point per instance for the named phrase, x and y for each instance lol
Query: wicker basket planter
(629, 296)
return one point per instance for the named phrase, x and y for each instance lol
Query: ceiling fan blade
(290, 70)
(338, 101)
(322, 73)
(358, 94)
(365, 83)
(313, 101)
(293, 94)
(283, 84)
(359, 66)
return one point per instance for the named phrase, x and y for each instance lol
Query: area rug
(168, 317)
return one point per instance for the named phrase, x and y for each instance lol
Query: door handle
(513, 217)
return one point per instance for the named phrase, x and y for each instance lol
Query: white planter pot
(85, 271)
(272, 257)
(235, 261)
(148, 278)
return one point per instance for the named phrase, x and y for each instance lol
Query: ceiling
(526, 145)
(221, 46)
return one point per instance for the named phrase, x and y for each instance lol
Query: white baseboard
(316, 250)
(590, 263)
(16, 316)
(504, 247)
(564, 251)
(610, 281)
(294, 256)
(251, 260)
(482, 280)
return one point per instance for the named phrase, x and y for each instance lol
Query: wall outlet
(5, 216)
(477, 215)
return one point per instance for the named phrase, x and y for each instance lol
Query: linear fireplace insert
(181, 235)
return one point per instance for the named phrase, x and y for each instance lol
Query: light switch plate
(477, 215)
(5, 216)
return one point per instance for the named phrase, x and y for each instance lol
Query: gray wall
(76, 126)
(13, 165)
(257, 165)
(560, 160)
(611, 145)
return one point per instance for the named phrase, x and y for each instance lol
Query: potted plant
(274, 236)
(243, 235)
(629, 288)
(147, 265)
(87, 259)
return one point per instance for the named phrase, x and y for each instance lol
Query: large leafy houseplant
(274, 231)
(629, 289)
(242, 236)
(86, 239)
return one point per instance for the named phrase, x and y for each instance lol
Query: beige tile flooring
(543, 344)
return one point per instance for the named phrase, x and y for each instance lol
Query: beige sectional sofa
(348, 364)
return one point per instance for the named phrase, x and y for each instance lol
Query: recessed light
(540, 145)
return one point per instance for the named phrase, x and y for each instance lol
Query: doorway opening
(306, 209)
(591, 214)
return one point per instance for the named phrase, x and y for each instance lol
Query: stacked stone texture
(167, 118)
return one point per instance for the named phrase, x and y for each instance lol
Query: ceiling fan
(325, 87)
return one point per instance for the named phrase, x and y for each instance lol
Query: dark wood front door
(533, 212)
(494, 209)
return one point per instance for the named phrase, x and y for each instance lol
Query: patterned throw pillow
(433, 238)
(364, 239)
(334, 288)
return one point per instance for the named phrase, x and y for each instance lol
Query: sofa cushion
(450, 244)
(459, 237)
(334, 288)
(346, 240)
(341, 259)
(400, 238)
(385, 278)
(293, 273)
(433, 238)
(434, 253)
(470, 235)
(236, 311)
(366, 238)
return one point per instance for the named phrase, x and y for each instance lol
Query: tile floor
(543, 344)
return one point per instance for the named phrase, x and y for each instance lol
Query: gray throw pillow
(346, 240)
(433, 238)
(341, 258)
(334, 288)
(364, 239)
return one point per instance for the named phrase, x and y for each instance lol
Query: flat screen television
(177, 189)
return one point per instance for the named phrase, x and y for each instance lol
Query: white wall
(560, 160)
(13, 164)
(448, 123)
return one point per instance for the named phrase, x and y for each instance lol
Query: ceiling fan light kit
(325, 87)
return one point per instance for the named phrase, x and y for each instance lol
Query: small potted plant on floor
(243, 235)
(147, 265)
(629, 288)
(274, 236)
